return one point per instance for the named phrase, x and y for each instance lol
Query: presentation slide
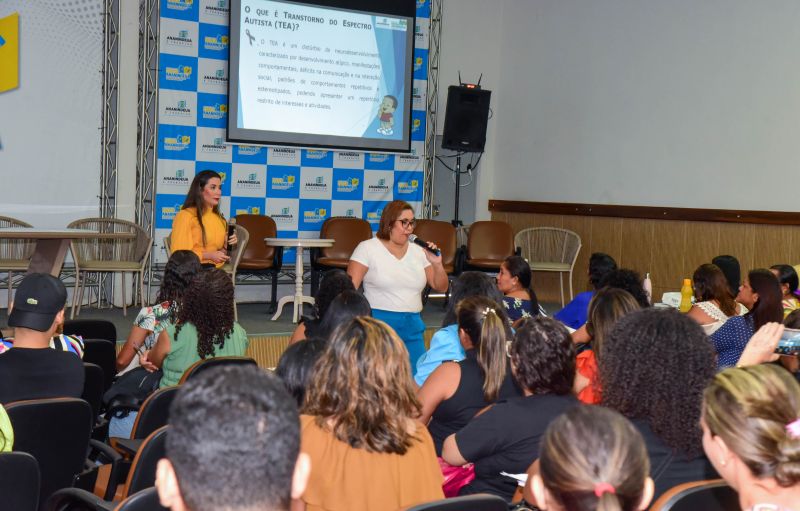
(316, 76)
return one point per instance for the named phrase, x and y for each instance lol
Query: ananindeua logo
(179, 178)
(374, 216)
(177, 143)
(169, 212)
(178, 73)
(179, 5)
(314, 216)
(285, 215)
(218, 42)
(316, 185)
(347, 185)
(285, 182)
(252, 210)
(408, 186)
(215, 111)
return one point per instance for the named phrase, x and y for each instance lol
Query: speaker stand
(456, 222)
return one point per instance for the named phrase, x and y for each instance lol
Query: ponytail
(608, 500)
(487, 327)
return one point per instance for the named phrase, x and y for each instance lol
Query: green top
(6, 432)
(183, 351)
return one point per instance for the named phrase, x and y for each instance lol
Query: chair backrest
(76, 499)
(19, 481)
(491, 240)
(91, 329)
(15, 249)
(102, 353)
(143, 469)
(242, 240)
(479, 502)
(154, 412)
(257, 252)
(145, 500)
(711, 495)
(548, 245)
(93, 387)
(441, 233)
(55, 432)
(135, 249)
(347, 233)
(168, 244)
(209, 363)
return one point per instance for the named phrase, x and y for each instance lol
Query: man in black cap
(31, 370)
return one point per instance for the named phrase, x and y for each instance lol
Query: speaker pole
(456, 222)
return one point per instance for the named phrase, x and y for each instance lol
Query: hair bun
(787, 471)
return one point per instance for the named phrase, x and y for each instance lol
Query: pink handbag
(455, 477)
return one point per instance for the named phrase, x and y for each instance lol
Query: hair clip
(601, 488)
(793, 429)
(487, 310)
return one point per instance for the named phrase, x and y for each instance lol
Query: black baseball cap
(40, 296)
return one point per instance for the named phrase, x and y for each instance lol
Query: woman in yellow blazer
(199, 226)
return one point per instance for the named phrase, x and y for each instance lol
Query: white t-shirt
(392, 284)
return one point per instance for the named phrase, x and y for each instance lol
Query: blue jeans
(409, 328)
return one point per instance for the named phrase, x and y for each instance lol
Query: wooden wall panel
(738, 241)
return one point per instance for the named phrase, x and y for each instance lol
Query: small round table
(298, 298)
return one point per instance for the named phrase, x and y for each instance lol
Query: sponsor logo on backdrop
(219, 8)
(318, 184)
(217, 42)
(178, 178)
(215, 111)
(410, 186)
(284, 216)
(417, 63)
(285, 182)
(178, 73)
(216, 146)
(179, 109)
(374, 216)
(349, 156)
(415, 125)
(249, 150)
(280, 153)
(169, 212)
(217, 78)
(178, 143)
(251, 210)
(182, 38)
(378, 158)
(314, 154)
(249, 182)
(314, 216)
(350, 212)
(179, 5)
(379, 187)
(408, 159)
(347, 185)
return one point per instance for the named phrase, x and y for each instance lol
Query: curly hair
(655, 365)
(710, 284)
(543, 357)
(208, 305)
(470, 283)
(181, 268)
(333, 282)
(486, 324)
(750, 408)
(628, 280)
(586, 447)
(599, 265)
(362, 389)
(194, 198)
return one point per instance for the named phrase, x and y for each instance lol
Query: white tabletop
(298, 242)
(34, 233)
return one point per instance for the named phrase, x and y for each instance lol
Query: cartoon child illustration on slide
(386, 114)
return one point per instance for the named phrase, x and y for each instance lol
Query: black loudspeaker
(466, 118)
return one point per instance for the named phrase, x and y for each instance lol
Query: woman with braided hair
(204, 327)
(456, 391)
(751, 433)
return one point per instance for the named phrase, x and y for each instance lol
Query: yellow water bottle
(686, 295)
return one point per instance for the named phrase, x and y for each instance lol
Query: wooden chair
(15, 255)
(489, 243)
(347, 232)
(444, 235)
(710, 495)
(259, 258)
(209, 363)
(243, 238)
(550, 249)
(114, 255)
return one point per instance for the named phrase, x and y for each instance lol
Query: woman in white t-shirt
(394, 272)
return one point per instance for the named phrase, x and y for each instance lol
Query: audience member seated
(714, 303)
(445, 345)
(233, 444)
(333, 283)
(456, 391)
(653, 369)
(295, 367)
(179, 271)
(787, 278)
(6, 432)
(751, 433)
(204, 328)
(506, 437)
(346, 306)
(60, 341)
(761, 294)
(574, 314)
(592, 458)
(514, 281)
(367, 450)
(730, 267)
(607, 306)
(622, 278)
(31, 369)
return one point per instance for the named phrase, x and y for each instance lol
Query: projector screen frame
(395, 8)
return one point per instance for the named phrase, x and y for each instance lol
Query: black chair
(93, 388)
(76, 499)
(143, 470)
(91, 329)
(479, 502)
(19, 481)
(145, 500)
(152, 415)
(209, 363)
(56, 432)
(103, 353)
(710, 495)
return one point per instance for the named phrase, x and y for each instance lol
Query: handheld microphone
(231, 232)
(413, 238)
